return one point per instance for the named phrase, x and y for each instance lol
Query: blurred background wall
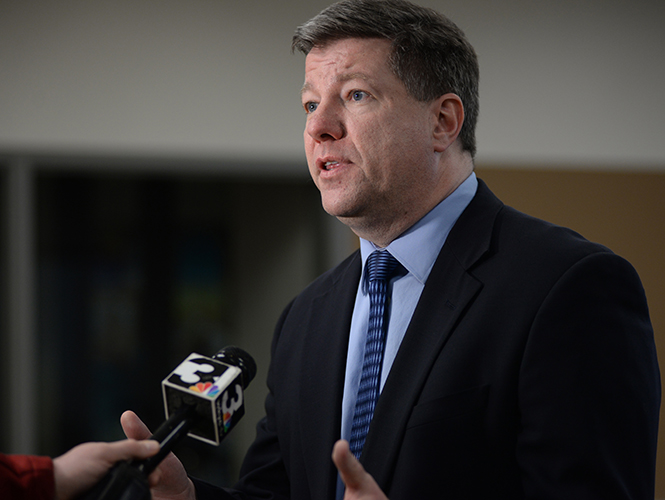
(151, 152)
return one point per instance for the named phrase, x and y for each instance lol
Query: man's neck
(382, 229)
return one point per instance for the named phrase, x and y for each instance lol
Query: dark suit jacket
(528, 371)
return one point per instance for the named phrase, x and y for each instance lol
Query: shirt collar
(418, 247)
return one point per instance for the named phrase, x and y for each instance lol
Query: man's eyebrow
(353, 76)
(305, 88)
(341, 78)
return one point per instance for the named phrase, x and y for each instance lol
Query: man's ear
(449, 117)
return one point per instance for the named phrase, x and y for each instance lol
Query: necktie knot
(381, 266)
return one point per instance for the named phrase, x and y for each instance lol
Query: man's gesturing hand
(359, 484)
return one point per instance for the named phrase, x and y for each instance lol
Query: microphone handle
(168, 435)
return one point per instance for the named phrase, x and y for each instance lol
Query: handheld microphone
(203, 398)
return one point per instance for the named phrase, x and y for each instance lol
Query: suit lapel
(447, 292)
(323, 371)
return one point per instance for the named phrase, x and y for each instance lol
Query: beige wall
(624, 211)
(561, 81)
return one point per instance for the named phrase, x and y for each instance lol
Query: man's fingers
(359, 484)
(350, 470)
(133, 426)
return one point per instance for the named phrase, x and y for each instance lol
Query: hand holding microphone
(203, 398)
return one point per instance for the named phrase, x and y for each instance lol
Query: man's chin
(337, 208)
(342, 215)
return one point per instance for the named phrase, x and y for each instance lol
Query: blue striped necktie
(380, 267)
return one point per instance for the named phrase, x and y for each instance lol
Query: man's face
(368, 142)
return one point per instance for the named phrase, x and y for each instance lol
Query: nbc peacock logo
(205, 388)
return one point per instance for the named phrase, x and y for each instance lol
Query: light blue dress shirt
(416, 250)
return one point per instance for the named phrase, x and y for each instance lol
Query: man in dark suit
(517, 359)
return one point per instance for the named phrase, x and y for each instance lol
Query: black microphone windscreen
(242, 359)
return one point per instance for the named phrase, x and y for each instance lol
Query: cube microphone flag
(214, 386)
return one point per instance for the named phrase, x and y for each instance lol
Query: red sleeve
(26, 477)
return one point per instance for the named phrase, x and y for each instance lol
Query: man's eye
(358, 95)
(310, 107)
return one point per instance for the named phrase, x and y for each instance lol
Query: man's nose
(325, 123)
